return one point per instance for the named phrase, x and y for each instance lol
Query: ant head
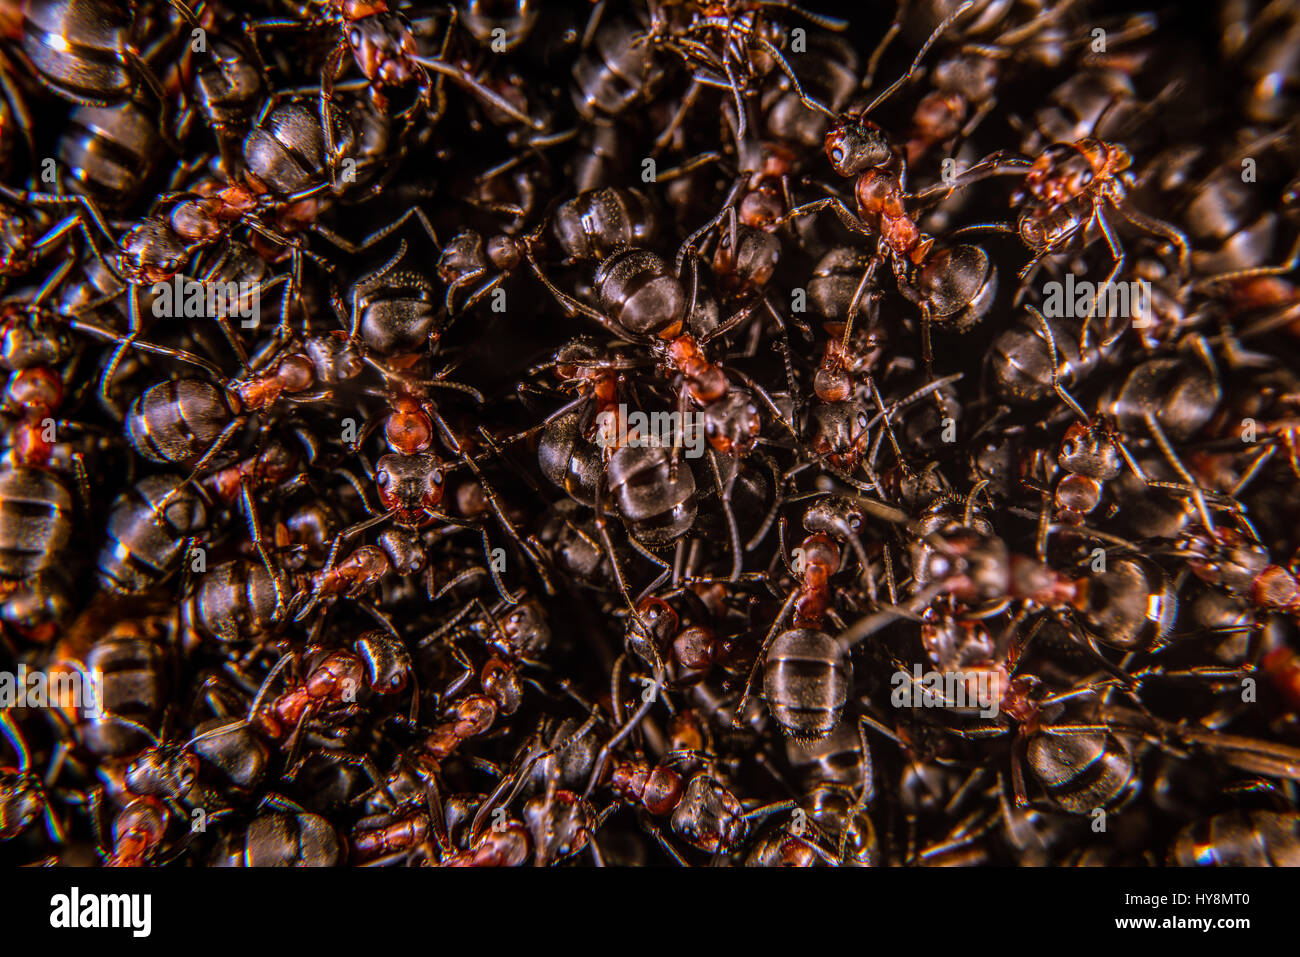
(526, 629)
(560, 824)
(661, 619)
(388, 664)
(151, 251)
(571, 358)
(334, 357)
(505, 252)
(838, 517)
(1020, 701)
(855, 145)
(30, 336)
(840, 432)
(167, 771)
(37, 391)
(1089, 449)
(384, 49)
(410, 485)
(143, 819)
(732, 423)
(750, 261)
(22, 801)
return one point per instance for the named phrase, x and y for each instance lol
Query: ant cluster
(653, 432)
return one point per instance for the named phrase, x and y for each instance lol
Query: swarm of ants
(649, 433)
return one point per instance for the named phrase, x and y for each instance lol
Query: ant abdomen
(655, 495)
(806, 679)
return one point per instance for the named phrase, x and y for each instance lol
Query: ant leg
(981, 113)
(766, 399)
(858, 295)
(939, 31)
(573, 307)
(693, 238)
(223, 321)
(506, 595)
(1258, 463)
(648, 698)
(1129, 460)
(23, 197)
(926, 352)
(328, 74)
(657, 833)
(255, 531)
(96, 814)
(742, 123)
(367, 765)
(370, 279)
(1287, 267)
(382, 233)
(836, 205)
(478, 294)
(767, 810)
(737, 718)
(1172, 458)
(264, 687)
(724, 497)
(488, 491)
(1117, 252)
(485, 93)
(770, 518)
(869, 625)
(785, 68)
(791, 380)
(1031, 267)
(895, 28)
(602, 526)
(519, 775)
(145, 72)
(887, 427)
(740, 315)
(687, 102)
(1000, 163)
(1044, 525)
(1162, 229)
(22, 116)
(233, 426)
(1056, 383)
(52, 282)
(974, 228)
(645, 553)
(83, 482)
(110, 370)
